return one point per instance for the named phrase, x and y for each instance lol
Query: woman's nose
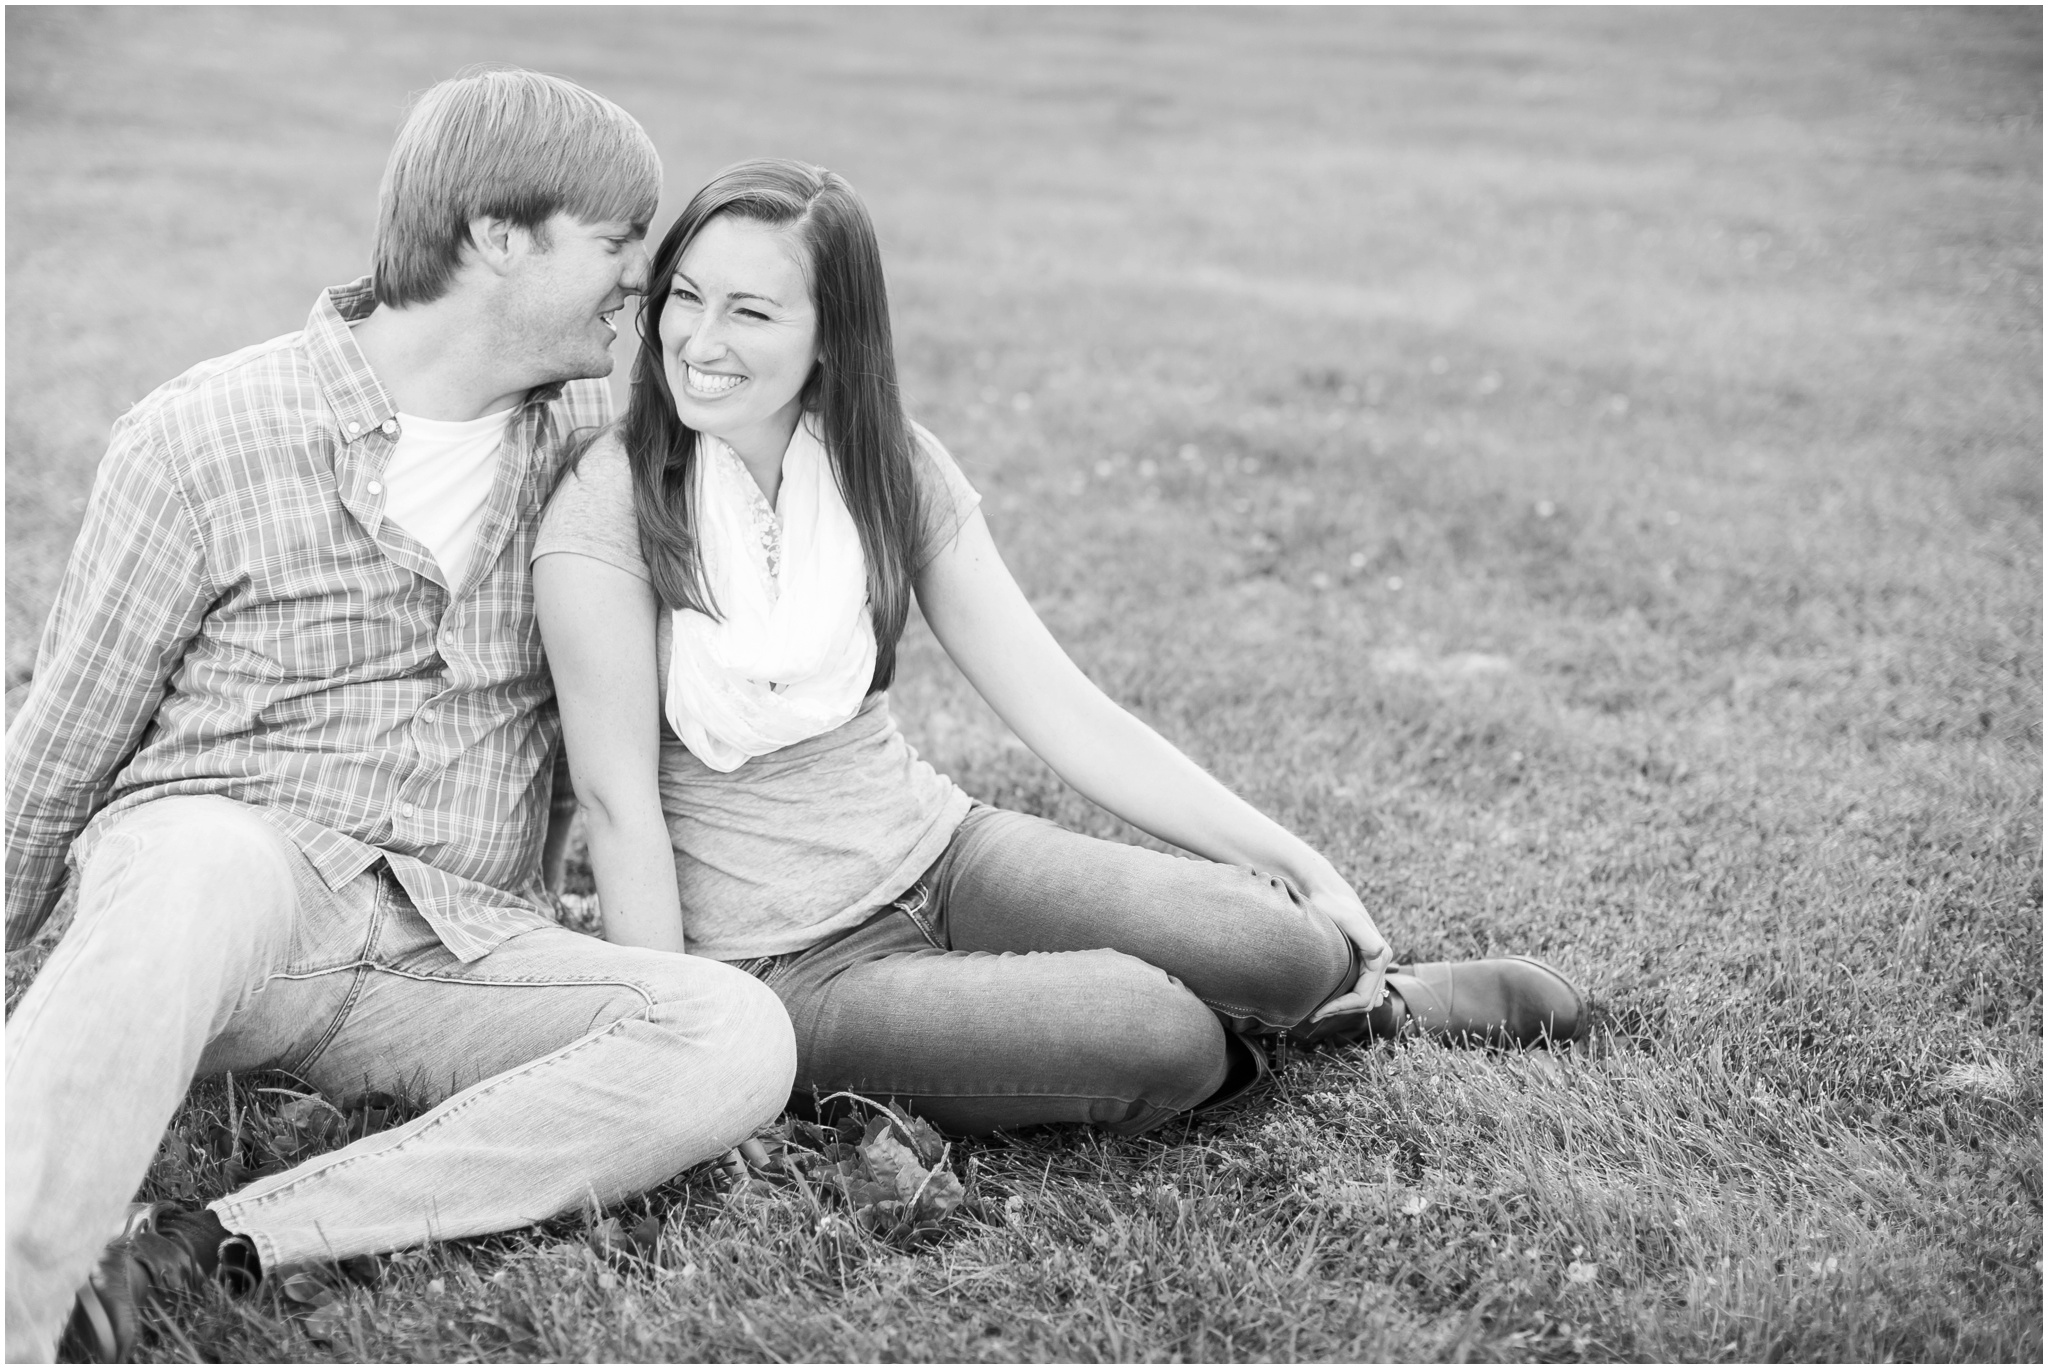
(706, 341)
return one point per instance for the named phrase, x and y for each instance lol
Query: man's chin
(595, 367)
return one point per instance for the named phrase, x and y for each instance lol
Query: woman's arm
(992, 633)
(597, 623)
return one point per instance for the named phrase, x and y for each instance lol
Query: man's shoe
(160, 1252)
(1515, 1000)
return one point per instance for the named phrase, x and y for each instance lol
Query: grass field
(1581, 469)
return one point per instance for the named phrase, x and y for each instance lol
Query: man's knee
(737, 1034)
(211, 852)
(195, 894)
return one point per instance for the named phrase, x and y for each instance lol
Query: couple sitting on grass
(294, 719)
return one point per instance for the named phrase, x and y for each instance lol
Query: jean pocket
(766, 968)
(915, 903)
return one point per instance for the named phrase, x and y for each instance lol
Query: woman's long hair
(852, 391)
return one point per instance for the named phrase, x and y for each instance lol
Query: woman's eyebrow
(734, 294)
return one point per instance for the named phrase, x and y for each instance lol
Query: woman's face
(739, 335)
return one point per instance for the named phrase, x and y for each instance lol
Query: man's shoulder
(587, 403)
(230, 392)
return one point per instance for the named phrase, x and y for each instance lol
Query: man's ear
(497, 242)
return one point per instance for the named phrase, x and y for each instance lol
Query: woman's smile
(712, 384)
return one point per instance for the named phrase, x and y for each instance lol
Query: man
(291, 725)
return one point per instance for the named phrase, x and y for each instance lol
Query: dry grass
(1582, 470)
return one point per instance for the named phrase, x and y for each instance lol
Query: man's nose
(633, 277)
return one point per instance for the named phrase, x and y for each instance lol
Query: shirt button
(354, 427)
(390, 426)
(408, 810)
(426, 715)
(375, 488)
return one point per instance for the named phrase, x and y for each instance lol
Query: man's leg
(185, 907)
(560, 1068)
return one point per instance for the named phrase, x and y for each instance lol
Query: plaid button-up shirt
(239, 618)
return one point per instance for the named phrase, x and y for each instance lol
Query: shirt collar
(360, 404)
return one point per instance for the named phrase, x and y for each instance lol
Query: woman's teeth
(710, 384)
(607, 317)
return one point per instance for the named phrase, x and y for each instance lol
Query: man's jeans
(1037, 975)
(559, 1068)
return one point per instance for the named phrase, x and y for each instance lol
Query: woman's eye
(752, 313)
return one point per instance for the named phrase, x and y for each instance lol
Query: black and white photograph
(955, 684)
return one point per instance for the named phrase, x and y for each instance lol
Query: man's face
(560, 312)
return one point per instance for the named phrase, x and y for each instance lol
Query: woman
(721, 584)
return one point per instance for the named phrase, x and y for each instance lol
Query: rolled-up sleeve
(131, 600)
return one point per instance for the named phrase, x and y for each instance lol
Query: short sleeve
(945, 498)
(591, 513)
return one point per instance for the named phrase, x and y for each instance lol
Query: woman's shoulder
(946, 497)
(591, 511)
(928, 450)
(602, 462)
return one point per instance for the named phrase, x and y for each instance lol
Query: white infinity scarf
(789, 660)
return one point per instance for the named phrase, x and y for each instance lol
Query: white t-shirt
(438, 481)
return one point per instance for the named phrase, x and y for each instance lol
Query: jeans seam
(987, 1093)
(267, 1247)
(456, 981)
(378, 917)
(359, 976)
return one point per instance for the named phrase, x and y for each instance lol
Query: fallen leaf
(307, 1289)
(892, 1163)
(615, 1240)
(371, 1113)
(327, 1322)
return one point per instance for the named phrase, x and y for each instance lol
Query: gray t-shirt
(807, 841)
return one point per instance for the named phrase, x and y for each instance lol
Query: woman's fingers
(1374, 955)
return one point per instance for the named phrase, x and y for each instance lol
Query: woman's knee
(1166, 1053)
(1289, 957)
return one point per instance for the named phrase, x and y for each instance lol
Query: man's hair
(508, 144)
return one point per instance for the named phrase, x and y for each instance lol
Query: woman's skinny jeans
(1036, 975)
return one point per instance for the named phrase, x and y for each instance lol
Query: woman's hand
(987, 626)
(1338, 903)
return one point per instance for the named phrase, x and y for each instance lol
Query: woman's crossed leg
(1037, 975)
